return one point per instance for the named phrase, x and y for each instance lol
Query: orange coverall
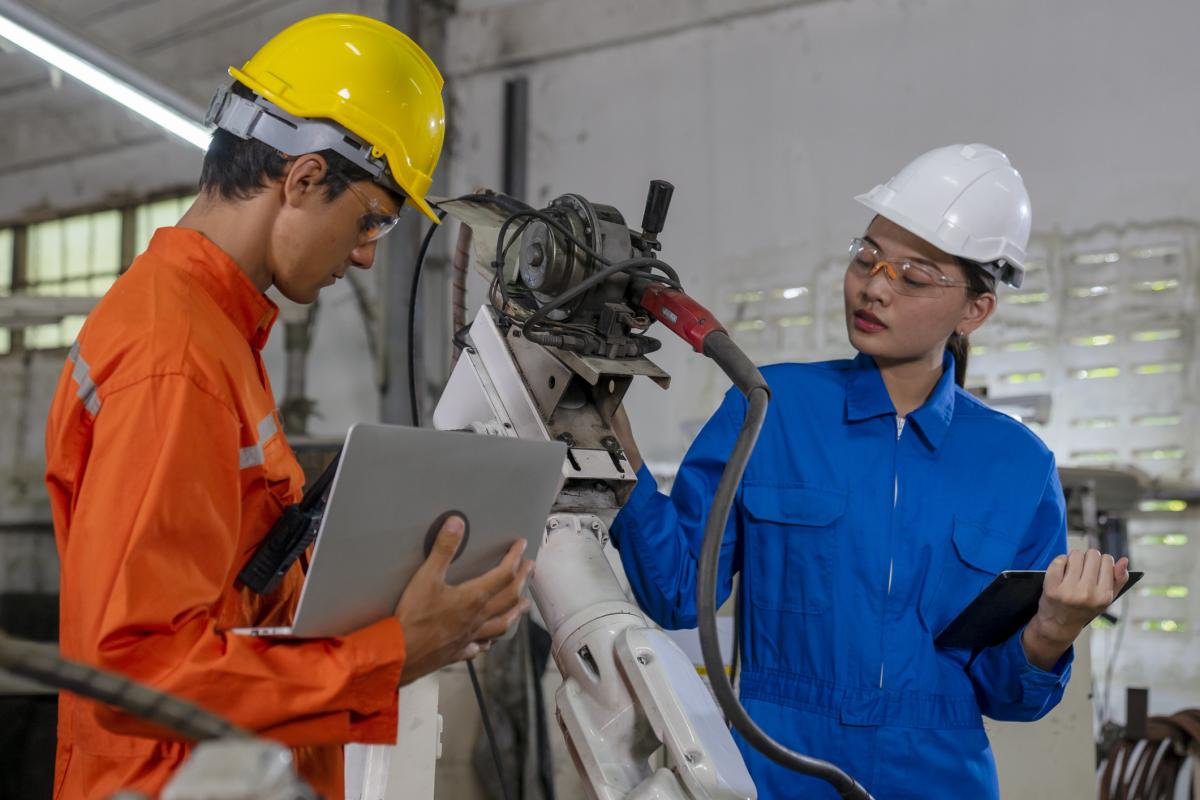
(166, 466)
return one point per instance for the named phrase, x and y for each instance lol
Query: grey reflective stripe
(252, 456)
(83, 376)
(266, 428)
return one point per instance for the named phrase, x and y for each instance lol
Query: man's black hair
(237, 169)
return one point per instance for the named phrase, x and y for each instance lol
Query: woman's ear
(303, 178)
(978, 309)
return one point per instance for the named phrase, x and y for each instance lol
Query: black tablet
(1001, 610)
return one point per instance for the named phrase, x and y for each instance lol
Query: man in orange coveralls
(166, 461)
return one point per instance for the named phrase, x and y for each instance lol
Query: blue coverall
(858, 539)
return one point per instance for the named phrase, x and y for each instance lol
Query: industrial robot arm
(551, 356)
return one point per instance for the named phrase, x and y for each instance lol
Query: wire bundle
(517, 305)
(1151, 768)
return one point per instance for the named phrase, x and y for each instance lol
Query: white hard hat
(966, 200)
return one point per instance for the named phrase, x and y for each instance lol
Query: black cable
(498, 264)
(416, 422)
(540, 644)
(487, 729)
(503, 246)
(599, 277)
(412, 319)
(459, 341)
(721, 349)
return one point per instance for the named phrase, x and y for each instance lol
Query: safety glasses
(908, 277)
(376, 223)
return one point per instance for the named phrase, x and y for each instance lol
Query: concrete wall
(769, 121)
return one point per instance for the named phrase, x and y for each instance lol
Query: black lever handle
(658, 200)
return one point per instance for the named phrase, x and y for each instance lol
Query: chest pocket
(791, 546)
(976, 556)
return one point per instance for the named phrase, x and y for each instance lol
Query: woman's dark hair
(237, 169)
(979, 282)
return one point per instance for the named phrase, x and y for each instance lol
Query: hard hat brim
(426, 209)
(1012, 276)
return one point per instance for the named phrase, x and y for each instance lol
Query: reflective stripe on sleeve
(252, 456)
(82, 375)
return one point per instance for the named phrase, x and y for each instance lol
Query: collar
(867, 397)
(250, 311)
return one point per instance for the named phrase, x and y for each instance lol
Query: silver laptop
(392, 485)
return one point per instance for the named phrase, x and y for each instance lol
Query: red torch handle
(689, 320)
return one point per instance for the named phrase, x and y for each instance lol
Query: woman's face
(896, 315)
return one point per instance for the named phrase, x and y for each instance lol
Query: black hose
(721, 349)
(42, 664)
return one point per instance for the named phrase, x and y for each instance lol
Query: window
(77, 256)
(1023, 377)
(1159, 369)
(1158, 420)
(1171, 506)
(1094, 423)
(1092, 373)
(1173, 591)
(160, 214)
(1167, 539)
(1142, 337)
(1095, 456)
(1096, 340)
(1033, 298)
(1166, 453)
(1084, 292)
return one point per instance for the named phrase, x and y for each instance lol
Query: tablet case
(1001, 610)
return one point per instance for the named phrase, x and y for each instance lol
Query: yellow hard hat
(366, 76)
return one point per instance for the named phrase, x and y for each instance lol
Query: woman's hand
(1078, 588)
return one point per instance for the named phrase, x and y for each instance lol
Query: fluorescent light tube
(98, 79)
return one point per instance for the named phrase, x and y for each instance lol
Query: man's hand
(443, 623)
(1078, 588)
(624, 434)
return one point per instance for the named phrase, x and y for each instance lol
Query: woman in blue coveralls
(880, 500)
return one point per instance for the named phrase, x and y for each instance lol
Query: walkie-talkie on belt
(290, 536)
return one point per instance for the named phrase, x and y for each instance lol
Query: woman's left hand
(1077, 589)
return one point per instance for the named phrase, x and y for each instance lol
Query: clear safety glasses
(376, 223)
(908, 277)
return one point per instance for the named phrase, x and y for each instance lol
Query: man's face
(317, 240)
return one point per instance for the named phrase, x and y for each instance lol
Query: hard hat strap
(1003, 271)
(266, 122)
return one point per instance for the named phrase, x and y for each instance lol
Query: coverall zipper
(892, 559)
